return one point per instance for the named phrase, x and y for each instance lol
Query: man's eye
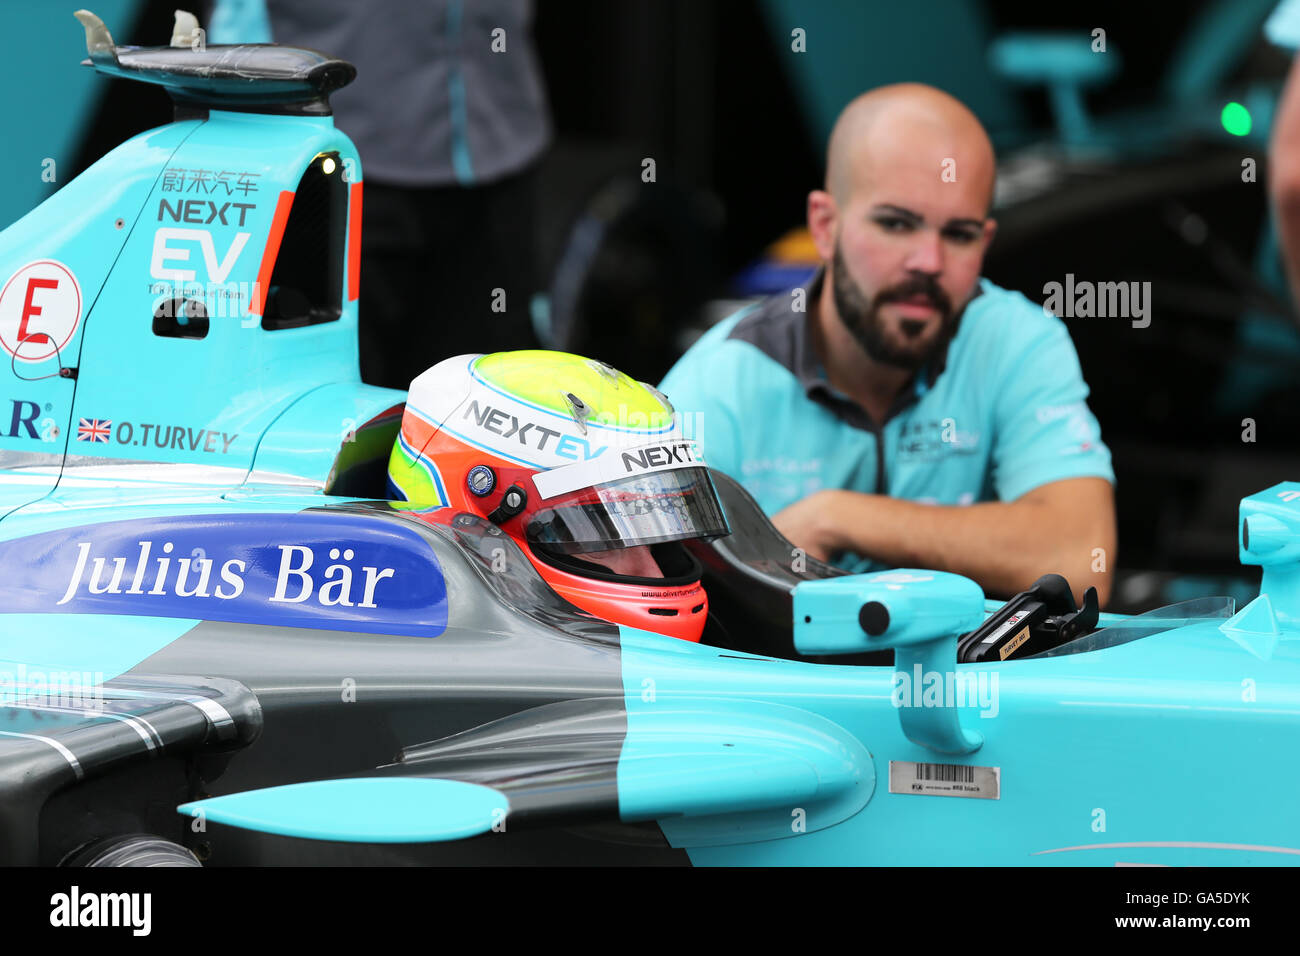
(962, 237)
(894, 224)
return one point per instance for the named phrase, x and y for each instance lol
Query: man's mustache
(915, 287)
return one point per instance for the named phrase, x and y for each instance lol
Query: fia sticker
(945, 780)
(40, 307)
(1005, 626)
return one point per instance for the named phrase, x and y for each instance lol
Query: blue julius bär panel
(340, 572)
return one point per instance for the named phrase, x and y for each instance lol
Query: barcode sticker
(945, 780)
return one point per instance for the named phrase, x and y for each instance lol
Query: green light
(1235, 119)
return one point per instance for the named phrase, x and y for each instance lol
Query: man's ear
(990, 230)
(823, 215)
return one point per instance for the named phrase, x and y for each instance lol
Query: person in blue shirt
(900, 411)
(449, 114)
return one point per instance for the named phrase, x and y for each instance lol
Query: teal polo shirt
(1002, 412)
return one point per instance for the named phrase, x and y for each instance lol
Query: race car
(227, 640)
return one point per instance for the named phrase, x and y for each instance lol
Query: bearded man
(900, 411)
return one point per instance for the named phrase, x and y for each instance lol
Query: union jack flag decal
(93, 429)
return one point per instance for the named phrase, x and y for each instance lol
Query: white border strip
(619, 463)
(68, 755)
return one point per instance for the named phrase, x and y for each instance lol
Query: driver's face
(636, 561)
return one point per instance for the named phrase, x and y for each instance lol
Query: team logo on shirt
(926, 440)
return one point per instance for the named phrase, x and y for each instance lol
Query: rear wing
(250, 77)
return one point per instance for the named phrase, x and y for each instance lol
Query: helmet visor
(671, 505)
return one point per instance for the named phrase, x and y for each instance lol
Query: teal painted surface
(112, 229)
(1138, 753)
(86, 501)
(716, 770)
(361, 810)
(1213, 45)
(240, 21)
(1066, 63)
(107, 645)
(306, 439)
(852, 47)
(240, 377)
(461, 160)
(47, 102)
(1255, 628)
(1268, 532)
(133, 230)
(84, 227)
(923, 614)
(922, 607)
(1053, 58)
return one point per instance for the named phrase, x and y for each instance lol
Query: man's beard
(862, 316)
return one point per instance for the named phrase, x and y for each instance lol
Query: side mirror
(919, 614)
(1269, 535)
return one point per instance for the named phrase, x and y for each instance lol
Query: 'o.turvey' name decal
(310, 569)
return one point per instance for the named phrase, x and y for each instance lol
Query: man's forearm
(1005, 546)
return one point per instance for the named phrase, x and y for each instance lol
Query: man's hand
(1065, 526)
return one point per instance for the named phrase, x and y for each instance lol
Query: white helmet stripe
(618, 463)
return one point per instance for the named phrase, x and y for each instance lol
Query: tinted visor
(671, 505)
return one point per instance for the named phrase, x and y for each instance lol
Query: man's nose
(926, 253)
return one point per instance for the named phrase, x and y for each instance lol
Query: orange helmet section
(678, 611)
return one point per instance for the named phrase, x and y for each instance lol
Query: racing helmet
(587, 469)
